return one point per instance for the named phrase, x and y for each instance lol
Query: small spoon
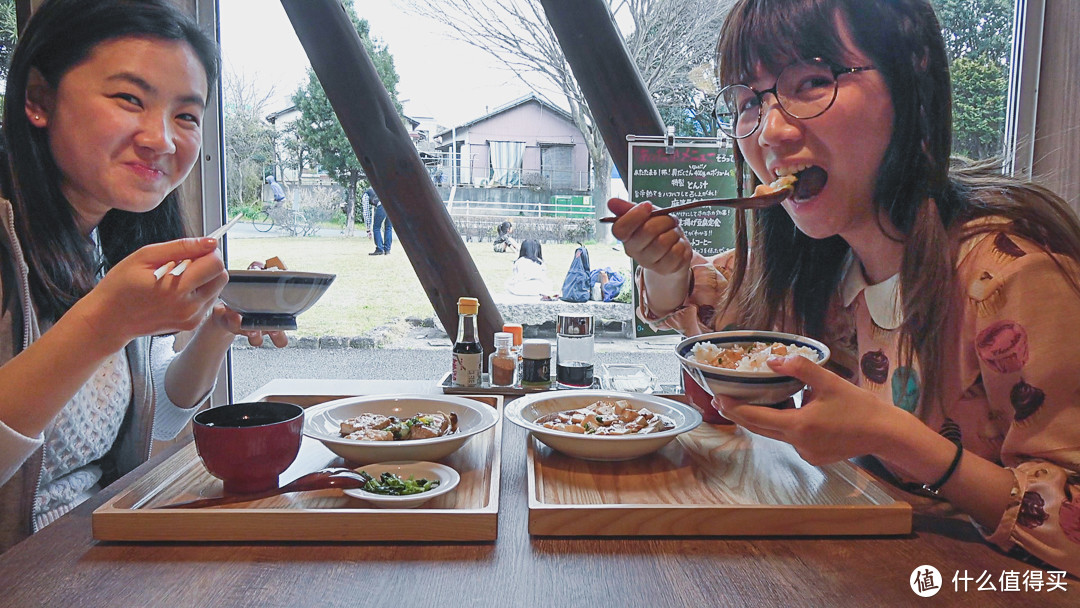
(333, 477)
(760, 201)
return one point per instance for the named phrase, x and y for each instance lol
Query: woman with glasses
(949, 294)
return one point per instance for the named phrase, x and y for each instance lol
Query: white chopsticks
(177, 269)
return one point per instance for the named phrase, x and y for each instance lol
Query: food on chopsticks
(273, 263)
(607, 418)
(785, 181)
(748, 356)
(391, 484)
(377, 427)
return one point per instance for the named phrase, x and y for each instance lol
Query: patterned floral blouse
(1018, 398)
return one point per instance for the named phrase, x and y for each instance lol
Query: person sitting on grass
(504, 242)
(530, 275)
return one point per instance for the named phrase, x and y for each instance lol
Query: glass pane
(457, 101)
(462, 91)
(978, 36)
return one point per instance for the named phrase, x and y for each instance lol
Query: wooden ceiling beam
(617, 96)
(424, 228)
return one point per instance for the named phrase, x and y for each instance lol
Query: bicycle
(262, 220)
(291, 220)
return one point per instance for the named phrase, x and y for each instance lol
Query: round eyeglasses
(804, 89)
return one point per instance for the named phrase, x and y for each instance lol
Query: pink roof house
(525, 143)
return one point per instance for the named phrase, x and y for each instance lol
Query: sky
(440, 78)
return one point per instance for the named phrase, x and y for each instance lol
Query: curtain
(506, 162)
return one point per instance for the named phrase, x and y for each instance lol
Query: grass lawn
(371, 291)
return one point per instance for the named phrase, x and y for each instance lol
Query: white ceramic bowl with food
(448, 480)
(760, 387)
(271, 299)
(525, 411)
(323, 422)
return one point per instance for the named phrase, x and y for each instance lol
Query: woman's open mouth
(811, 181)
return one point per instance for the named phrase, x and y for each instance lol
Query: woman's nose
(777, 126)
(156, 134)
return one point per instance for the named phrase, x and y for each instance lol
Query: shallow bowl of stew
(528, 411)
(323, 422)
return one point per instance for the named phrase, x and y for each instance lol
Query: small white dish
(524, 412)
(764, 387)
(448, 480)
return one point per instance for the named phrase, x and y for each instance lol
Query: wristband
(935, 488)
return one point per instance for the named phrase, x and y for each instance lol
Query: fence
(562, 220)
(555, 218)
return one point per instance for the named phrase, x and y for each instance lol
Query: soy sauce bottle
(468, 355)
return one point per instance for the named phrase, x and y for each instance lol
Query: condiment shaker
(503, 363)
(574, 350)
(536, 363)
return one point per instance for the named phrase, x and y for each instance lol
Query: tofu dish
(376, 427)
(607, 418)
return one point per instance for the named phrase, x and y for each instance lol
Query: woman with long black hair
(102, 122)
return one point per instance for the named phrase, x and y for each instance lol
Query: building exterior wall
(532, 123)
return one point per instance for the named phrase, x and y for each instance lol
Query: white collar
(882, 299)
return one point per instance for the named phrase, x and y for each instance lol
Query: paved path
(415, 359)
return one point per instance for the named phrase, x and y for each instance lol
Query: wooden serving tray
(714, 480)
(469, 513)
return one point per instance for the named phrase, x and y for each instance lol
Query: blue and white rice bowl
(764, 387)
(271, 299)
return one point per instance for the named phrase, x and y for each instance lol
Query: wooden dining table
(64, 565)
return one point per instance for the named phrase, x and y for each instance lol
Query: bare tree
(249, 139)
(667, 38)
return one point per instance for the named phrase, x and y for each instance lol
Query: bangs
(771, 34)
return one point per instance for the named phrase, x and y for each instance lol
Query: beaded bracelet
(935, 488)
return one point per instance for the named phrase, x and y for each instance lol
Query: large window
(260, 113)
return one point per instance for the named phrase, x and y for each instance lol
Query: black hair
(530, 248)
(504, 228)
(60, 35)
(927, 197)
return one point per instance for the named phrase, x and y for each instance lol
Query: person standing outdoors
(365, 209)
(380, 226)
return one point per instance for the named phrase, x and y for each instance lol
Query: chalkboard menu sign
(674, 171)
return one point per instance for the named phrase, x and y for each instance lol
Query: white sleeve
(15, 448)
(169, 418)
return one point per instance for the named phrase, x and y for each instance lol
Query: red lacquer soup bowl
(248, 445)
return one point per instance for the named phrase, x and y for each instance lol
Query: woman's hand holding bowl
(837, 420)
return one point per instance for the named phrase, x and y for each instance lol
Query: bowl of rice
(733, 363)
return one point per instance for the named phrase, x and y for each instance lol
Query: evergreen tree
(321, 133)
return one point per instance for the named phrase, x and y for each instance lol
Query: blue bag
(578, 283)
(614, 283)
